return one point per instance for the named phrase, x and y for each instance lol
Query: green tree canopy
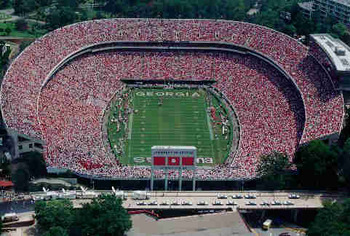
(332, 220)
(274, 171)
(23, 7)
(104, 216)
(57, 213)
(344, 162)
(60, 16)
(56, 231)
(4, 58)
(21, 24)
(36, 164)
(4, 3)
(20, 178)
(8, 31)
(317, 165)
(24, 44)
(345, 133)
(210, 9)
(339, 29)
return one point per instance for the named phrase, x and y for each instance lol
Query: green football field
(176, 117)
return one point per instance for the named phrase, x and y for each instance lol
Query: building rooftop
(344, 2)
(337, 51)
(306, 5)
(174, 147)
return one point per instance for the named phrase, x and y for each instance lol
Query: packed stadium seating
(66, 113)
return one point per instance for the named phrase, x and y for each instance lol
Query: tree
(345, 133)
(24, 44)
(23, 7)
(344, 161)
(339, 29)
(4, 57)
(61, 16)
(73, 4)
(114, 6)
(317, 165)
(104, 216)
(20, 178)
(54, 215)
(4, 3)
(8, 31)
(28, 166)
(274, 171)
(303, 26)
(56, 231)
(332, 220)
(290, 30)
(21, 25)
(36, 164)
(18, 6)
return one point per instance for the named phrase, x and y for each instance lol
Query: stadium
(100, 94)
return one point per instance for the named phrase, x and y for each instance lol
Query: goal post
(174, 158)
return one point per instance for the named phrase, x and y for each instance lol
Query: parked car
(293, 196)
(288, 203)
(222, 196)
(153, 203)
(187, 203)
(217, 203)
(202, 203)
(265, 203)
(175, 203)
(250, 203)
(249, 196)
(276, 203)
(231, 203)
(141, 203)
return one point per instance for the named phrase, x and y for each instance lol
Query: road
(166, 200)
(306, 200)
(10, 13)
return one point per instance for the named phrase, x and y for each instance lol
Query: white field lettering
(168, 94)
(199, 160)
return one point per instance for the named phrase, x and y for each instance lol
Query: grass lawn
(175, 117)
(16, 33)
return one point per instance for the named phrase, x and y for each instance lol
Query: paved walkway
(10, 13)
(229, 223)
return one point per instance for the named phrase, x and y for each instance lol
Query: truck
(140, 195)
(267, 224)
(119, 194)
(9, 217)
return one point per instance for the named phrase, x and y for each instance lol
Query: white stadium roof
(336, 50)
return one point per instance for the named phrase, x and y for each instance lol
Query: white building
(307, 8)
(334, 55)
(340, 9)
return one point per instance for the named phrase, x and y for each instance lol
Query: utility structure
(174, 158)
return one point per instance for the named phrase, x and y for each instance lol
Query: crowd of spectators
(66, 114)
(271, 114)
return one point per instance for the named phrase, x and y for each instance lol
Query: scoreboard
(174, 156)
